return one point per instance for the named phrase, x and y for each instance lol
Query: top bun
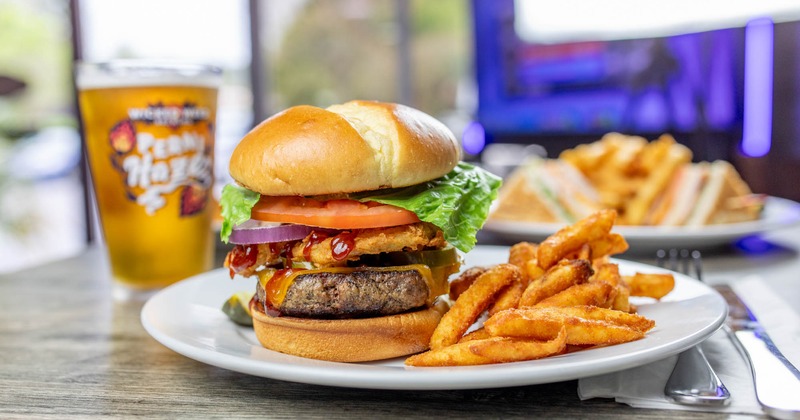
(352, 147)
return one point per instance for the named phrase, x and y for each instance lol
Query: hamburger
(351, 218)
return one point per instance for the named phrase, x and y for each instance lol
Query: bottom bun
(348, 340)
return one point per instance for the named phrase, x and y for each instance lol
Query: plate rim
(719, 232)
(373, 375)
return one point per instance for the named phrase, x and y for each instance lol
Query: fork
(692, 381)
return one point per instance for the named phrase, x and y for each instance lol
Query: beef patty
(366, 293)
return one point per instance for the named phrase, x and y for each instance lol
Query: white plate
(778, 213)
(186, 318)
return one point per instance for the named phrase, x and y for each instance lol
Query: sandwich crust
(356, 146)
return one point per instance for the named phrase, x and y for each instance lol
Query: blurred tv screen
(677, 83)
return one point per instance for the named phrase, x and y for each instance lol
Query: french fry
(478, 334)
(520, 254)
(628, 150)
(490, 350)
(533, 271)
(633, 321)
(622, 299)
(650, 284)
(595, 293)
(514, 323)
(508, 298)
(604, 330)
(586, 157)
(653, 155)
(585, 252)
(504, 350)
(612, 297)
(611, 244)
(597, 262)
(664, 167)
(565, 274)
(593, 332)
(608, 273)
(571, 238)
(460, 354)
(465, 280)
(613, 166)
(582, 253)
(471, 303)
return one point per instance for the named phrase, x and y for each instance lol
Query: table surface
(68, 348)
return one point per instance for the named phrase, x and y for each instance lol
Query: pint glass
(149, 137)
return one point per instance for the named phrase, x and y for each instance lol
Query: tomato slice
(333, 214)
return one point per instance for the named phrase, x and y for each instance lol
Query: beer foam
(131, 74)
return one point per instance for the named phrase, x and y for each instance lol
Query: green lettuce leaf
(236, 203)
(458, 203)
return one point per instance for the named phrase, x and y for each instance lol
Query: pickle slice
(237, 307)
(432, 258)
(305, 265)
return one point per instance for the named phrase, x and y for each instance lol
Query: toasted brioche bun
(356, 146)
(348, 340)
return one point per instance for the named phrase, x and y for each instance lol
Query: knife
(776, 380)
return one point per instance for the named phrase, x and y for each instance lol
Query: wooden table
(67, 348)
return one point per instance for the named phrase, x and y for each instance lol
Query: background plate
(778, 213)
(186, 318)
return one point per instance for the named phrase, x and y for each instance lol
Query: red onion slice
(257, 232)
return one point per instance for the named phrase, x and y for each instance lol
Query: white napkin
(643, 387)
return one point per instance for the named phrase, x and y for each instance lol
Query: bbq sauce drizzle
(241, 257)
(313, 239)
(342, 245)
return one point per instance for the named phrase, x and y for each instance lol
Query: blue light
(754, 245)
(473, 140)
(758, 64)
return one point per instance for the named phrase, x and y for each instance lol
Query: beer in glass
(149, 137)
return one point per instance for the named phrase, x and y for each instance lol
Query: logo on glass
(153, 167)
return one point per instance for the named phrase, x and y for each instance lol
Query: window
(322, 52)
(41, 205)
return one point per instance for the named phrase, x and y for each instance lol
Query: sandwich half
(725, 198)
(547, 191)
(706, 194)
